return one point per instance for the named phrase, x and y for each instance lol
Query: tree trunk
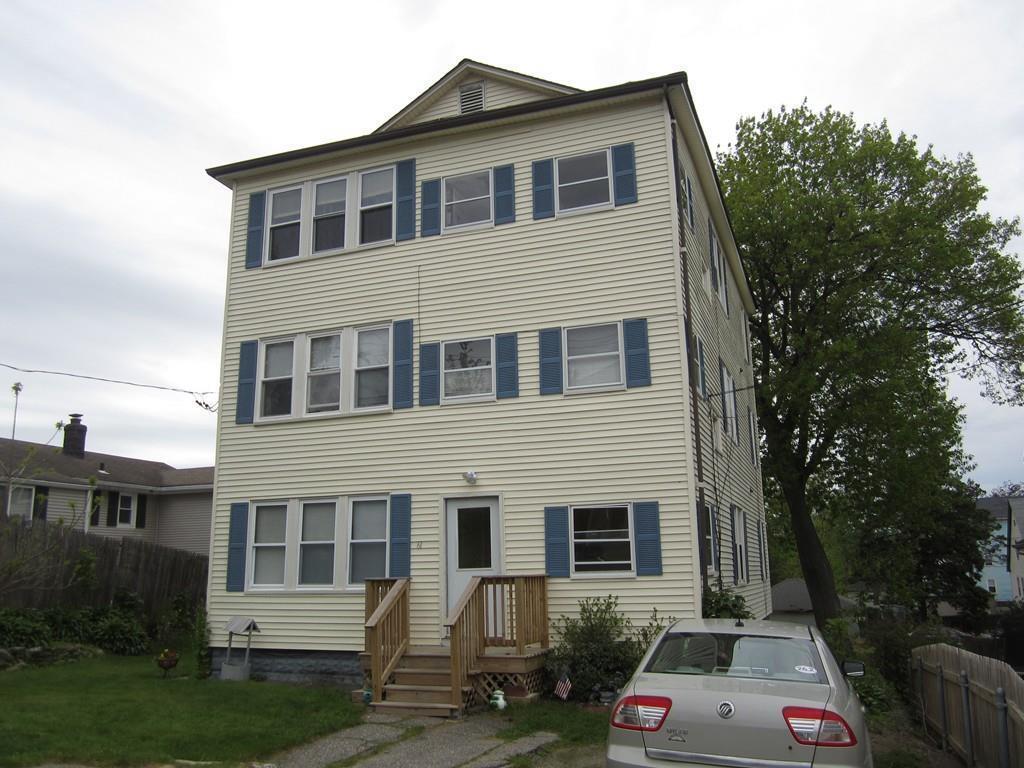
(821, 583)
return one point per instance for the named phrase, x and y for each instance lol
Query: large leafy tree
(873, 269)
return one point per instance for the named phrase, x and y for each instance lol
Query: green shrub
(725, 604)
(201, 643)
(71, 625)
(837, 636)
(875, 692)
(120, 633)
(23, 627)
(597, 650)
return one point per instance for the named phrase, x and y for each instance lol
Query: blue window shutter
(638, 358)
(716, 555)
(140, 511)
(400, 510)
(238, 535)
(543, 189)
(430, 374)
(624, 168)
(504, 194)
(430, 208)
(402, 382)
(254, 232)
(735, 553)
(245, 402)
(556, 541)
(550, 344)
(647, 529)
(689, 200)
(405, 197)
(506, 355)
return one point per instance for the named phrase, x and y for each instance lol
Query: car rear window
(738, 655)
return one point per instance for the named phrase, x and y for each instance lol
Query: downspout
(690, 352)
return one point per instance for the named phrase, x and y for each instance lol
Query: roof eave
(226, 174)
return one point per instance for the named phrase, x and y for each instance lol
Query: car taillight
(641, 713)
(818, 727)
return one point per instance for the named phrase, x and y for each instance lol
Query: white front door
(474, 547)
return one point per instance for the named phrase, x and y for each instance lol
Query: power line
(197, 395)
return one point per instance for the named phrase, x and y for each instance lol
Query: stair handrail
(387, 635)
(465, 625)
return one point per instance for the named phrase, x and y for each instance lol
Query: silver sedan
(722, 692)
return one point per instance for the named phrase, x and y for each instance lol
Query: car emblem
(726, 710)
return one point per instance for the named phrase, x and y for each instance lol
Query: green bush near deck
(120, 711)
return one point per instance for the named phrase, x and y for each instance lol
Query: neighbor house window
(583, 181)
(323, 379)
(468, 369)
(593, 356)
(373, 366)
(276, 380)
(22, 500)
(601, 539)
(368, 537)
(992, 586)
(376, 206)
(467, 199)
(316, 544)
(285, 224)
(125, 510)
(329, 215)
(269, 545)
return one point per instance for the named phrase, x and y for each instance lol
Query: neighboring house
(792, 602)
(505, 334)
(996, 577)
(106, 495)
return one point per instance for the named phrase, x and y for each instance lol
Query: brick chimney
(74, 437)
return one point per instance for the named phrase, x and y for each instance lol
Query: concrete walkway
(389, 741)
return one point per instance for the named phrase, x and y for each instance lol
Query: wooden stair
(420, 685)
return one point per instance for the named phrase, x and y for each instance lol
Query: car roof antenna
(739, 622)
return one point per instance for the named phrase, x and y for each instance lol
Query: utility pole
(16, 389)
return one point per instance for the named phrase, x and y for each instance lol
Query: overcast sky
(115, 240)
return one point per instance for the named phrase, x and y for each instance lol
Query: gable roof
(469, 68)
(49, 464)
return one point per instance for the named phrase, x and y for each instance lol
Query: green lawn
(119, 711)
(573, 724)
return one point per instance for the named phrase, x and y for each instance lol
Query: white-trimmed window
(316, 374)
(719, 283)
(285, 224)
(468, 369)
(329, 201)
(377, 206)
(702, 373)
(467, 200)
(711, 542)
(269, 544)
(583, 181)
(739, 531)
(372, 368)
(730, 424)
(277, 362)
(316, 543)
(593, 356)
(368, 540)
(126, 510)
(22, 501)
(992, 586)
(602, 538)
(323, 375)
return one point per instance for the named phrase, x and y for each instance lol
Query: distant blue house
(996, 577)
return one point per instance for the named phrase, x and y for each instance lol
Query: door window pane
(474, 532)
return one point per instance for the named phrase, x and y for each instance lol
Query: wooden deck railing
(504, 611)
(387, 628)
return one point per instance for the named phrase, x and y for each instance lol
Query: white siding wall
(185, 521)
(497, 94)
(67, 506)
(534, 451)
(729, 476)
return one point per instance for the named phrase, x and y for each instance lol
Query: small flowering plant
(167, 660)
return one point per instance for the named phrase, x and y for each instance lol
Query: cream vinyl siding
(728, 476)
(185, 521)
(497, 94)
(531, 451)
(66, 506)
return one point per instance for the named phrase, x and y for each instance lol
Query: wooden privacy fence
(973, 703)
(38, 561)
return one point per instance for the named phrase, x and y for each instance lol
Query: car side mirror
(853, 668)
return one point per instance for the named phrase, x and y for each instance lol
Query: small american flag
(562, 687)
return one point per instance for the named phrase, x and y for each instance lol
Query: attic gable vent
(471, 98)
